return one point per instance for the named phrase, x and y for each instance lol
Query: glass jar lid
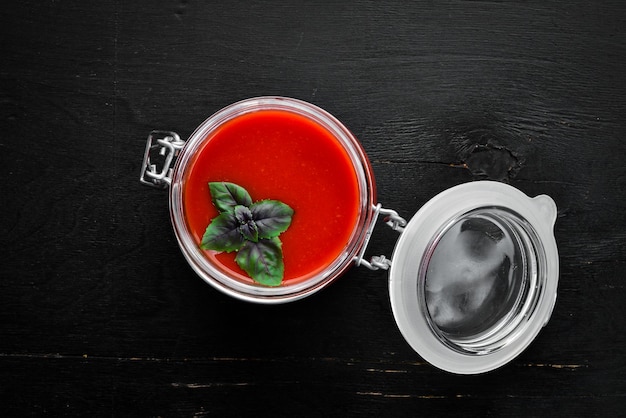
(474, 276)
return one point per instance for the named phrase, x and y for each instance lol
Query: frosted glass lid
(474, 276)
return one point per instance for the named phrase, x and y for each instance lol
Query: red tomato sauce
(284, 156)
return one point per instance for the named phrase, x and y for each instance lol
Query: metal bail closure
(474, 276)
(395, 222)
(162, 148)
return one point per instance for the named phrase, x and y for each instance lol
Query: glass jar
(475, 271)
(208, 268)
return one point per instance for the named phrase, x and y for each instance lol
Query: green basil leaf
(226, 196)
(249, 231)
(271, 217)
(248, 227)
(223, 234)
(243, 214)
(263, 261)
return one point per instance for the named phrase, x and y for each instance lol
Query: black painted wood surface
(101, 316)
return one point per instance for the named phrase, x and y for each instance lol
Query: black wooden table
(100, 315)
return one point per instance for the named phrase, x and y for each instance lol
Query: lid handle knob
(547, 208)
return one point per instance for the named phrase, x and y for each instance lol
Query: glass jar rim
(218, 277)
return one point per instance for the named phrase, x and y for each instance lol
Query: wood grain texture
(101, 316)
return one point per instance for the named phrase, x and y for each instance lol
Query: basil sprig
(251, 229)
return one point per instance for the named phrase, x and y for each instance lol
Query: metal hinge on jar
(161, 150)
(395, 222)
